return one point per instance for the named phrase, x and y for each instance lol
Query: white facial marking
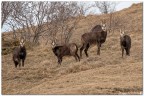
(121, 33)
(104, 27)
(53, 44)
(22, 43)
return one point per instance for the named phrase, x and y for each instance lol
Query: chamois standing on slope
(65, 50)
(19, 54)
(125, 43)
(101, 28)
(97, 36)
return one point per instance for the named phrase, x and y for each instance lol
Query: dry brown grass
(104, 74)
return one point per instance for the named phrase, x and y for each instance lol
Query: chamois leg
(98, 51)
(86, 49)
(16, 63)
(81, 49)
(59, 60)
(23, 62)
(78, 57)
(127, 51)
(122, 52)
(75, 57)
(19, 62)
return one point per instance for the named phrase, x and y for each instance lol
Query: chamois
(65, 50)
(19, 54)
(96, 36)
(125, 43)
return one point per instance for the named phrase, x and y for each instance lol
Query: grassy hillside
(104, 74)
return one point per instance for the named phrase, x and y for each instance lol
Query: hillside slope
(104, 74)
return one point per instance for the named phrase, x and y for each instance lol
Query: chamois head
(122, 33)
(103, 24)
(22, 43)
(53, 43)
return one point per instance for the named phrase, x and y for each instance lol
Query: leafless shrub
(63, 22)
(33, 20)
(6, 8)
(105, 7)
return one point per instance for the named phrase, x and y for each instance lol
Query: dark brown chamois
(19, 54)
(125, 43)
(96, 36)
(65, 50)
(101, 28)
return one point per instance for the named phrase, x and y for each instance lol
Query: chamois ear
(102, 21)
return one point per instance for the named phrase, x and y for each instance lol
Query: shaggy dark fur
(97, 28)
(66, 50)
(90, 38)
(125, 42)
(19, 54)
